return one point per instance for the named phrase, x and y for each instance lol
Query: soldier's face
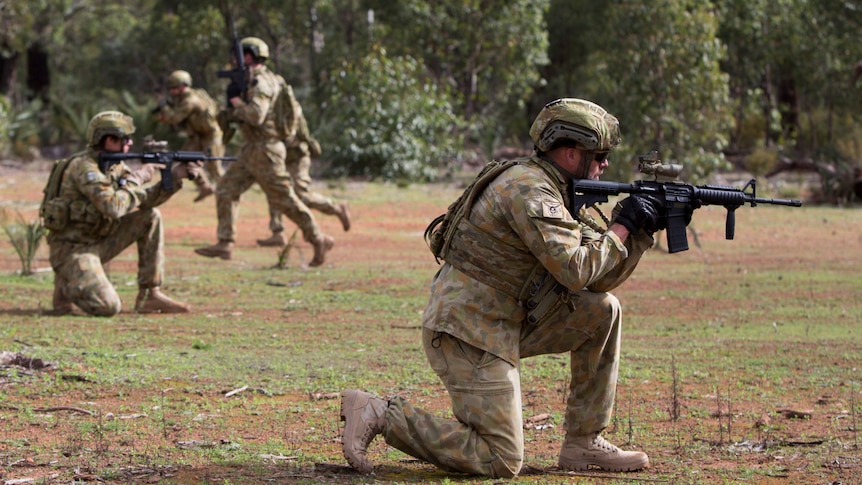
(590, 168)
(116, 144)
(598, 165)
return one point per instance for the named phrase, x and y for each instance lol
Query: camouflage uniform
(102, 222)
(474, 333)
(298, 163)
(194, 112)
(262, 161)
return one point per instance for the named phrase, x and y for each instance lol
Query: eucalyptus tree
(487, 52)
(658, 69)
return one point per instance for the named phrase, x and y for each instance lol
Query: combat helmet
(109, 123)
(577, 120)
(179, 78)
(256, 46)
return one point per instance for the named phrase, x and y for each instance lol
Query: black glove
(661, 210)
(638, 212)
(159, 107)
(233, 91)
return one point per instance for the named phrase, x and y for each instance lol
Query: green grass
(766, 321)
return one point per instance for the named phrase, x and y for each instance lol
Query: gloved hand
(233, 91)
(638, 212)
(143, 175)
(190, 170)
(661, 210)
(159, 107)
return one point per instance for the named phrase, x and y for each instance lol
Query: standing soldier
(261, 159)
(93, 212)
(300, 150)
(194, 112)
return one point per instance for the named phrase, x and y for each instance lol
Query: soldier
(300, 150)
(194, 112)
(260, 160)
(94, 212)
(523, 276)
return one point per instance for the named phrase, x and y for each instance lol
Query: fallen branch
(51, 410)
(236, 391)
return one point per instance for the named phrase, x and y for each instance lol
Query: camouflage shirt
(524, 209)
(96, 200)
(194, 112)
(256, 117)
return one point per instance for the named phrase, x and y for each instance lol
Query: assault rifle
(238, 75)
(107, 160)
(678, 198)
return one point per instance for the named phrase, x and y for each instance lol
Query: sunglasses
(601, 156)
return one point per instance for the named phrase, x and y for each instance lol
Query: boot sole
(263, 244)
(580, 466)
(223, 256)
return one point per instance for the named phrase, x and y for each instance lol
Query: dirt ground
(20, 190)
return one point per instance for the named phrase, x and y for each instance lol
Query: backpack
(54, 211)
(303, 134)
(212, 108)
(289, 120)
(438, 234)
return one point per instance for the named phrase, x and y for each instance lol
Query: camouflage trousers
(487, 438)
(262, 163)
(79, 271)
(298, 164)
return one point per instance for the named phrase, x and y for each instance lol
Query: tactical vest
(59, 213)
(483, 257)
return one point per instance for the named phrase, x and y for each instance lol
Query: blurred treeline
(411, 89)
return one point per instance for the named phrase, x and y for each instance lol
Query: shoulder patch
(93, 176)
(552, 209)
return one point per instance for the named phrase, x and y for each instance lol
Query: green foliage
(23, 130)
(25, 238)
(384, 119)
(489, 52)
(761, 161)
(660, 66)
(692, 78)
(4, 123)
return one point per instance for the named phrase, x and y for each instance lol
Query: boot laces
(601, 443)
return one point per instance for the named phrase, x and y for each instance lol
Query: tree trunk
(8, 68)
(38, 74)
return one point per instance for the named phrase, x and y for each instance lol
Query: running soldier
(261, 160)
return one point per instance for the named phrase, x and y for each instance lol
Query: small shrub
(25, 238)
(761, 161)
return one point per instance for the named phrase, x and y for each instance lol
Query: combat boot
(277, 240)
(222, 249)
(321, 247)
(344, 215)
(62, 304)
(151, 300)
(364, 417)
(581, 452)
(204, 191)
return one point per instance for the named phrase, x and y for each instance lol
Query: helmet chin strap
(589, 155)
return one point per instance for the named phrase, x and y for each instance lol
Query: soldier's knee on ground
(107, 308)
(506, 468)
